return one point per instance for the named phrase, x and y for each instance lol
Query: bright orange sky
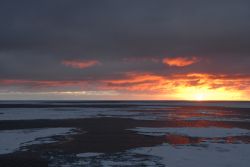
(193, 86)
(143, 86)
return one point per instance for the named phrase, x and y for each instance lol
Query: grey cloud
(35, 36)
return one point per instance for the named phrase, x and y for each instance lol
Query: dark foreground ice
(120, 133)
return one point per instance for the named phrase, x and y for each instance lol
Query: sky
(125, 49)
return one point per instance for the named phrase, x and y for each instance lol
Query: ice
(76, 113)
(61, 113)
(214, 155)
(89, 154)
(161, 110)
(208, 132)
(205, 155)
(125, 158)
(13, 140)
(108, 163)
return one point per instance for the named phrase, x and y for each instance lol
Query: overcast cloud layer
(94, 46)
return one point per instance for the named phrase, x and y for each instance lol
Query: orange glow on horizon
(204, 93)
(192, 86)
(147, 86)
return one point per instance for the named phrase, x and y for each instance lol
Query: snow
(208, 132)
(88, 154)
(135, 110)
(214, 154)
(61, 113)
(13, 140)
(205, 155)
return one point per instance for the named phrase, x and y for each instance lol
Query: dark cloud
(36, 36)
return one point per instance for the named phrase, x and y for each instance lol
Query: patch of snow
(13, 140)
(89, 154)
(135, 110)
(193, 132)
(214, 154)
(61, 113)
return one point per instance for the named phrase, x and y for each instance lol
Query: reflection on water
(174, 139)
(193, 131)
(177, 139)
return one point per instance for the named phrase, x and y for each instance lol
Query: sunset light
(204, 93)
(149, 83)
(199, 97)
